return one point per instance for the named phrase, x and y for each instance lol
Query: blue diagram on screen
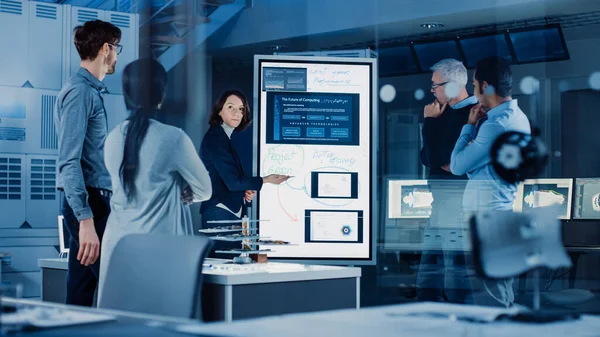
(312, 118)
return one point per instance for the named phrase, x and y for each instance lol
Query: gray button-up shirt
(81, 126)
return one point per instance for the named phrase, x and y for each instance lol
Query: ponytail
(135, 132)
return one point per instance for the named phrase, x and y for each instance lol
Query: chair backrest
(506, 244)
(156, 274)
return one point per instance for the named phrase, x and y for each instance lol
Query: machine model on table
(249, 237)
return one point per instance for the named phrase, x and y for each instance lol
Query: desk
(246, 291)
(396, 320)
(575, 251)
(377, 321)
(126, 323)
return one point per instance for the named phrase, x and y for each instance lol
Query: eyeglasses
(118, 47)
(435, 86)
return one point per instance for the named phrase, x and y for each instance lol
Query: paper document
(42, 317)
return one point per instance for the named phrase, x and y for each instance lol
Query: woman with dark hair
(151, 166)
(232, 188)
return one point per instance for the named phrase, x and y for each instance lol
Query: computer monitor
(477, 48)
(587, 198)
(408, 199)
(517, 202)
(63, 235)
(430, 53)
(396, 61)
(539, 45)
(537, 193)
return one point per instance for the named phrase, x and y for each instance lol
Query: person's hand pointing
(275, 179)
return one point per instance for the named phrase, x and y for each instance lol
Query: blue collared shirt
(485, 190)
(81, 126)
(467, 101)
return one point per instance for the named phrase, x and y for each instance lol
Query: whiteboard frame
(374, 139)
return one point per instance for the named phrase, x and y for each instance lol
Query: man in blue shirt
(495, 114)
(81, 127)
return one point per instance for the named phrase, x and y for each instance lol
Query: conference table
(232, 292)
(418, 319)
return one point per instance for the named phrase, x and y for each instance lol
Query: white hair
(452, 70)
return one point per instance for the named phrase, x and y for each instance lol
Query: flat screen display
(478, 48)
(539, 45)
(429, 54)
(394, 61)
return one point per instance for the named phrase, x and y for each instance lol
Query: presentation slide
(334, 185)
(333, 226)
(587, 198)
(537, 193)
(314, 119)
(288, 79)
(409, 199)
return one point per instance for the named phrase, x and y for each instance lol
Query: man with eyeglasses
(81, 126)
(441, 274)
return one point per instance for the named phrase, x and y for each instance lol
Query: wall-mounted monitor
(539, 45)
(518, 200)
(408, 199)
(587, 198)
(538, 193)
(396, 61)
(430, 53)
(477, 48)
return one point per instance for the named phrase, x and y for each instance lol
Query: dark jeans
(83, 280)
(217, 213)
(442, 277)
(443, 274)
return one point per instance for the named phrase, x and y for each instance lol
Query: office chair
(507, 244)
(156, 274)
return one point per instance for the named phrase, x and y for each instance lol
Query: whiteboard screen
(313, 121)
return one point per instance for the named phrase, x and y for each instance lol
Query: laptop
(63, 236)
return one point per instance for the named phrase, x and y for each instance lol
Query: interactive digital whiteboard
(315, 119)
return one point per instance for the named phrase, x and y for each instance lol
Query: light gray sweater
(168, 162)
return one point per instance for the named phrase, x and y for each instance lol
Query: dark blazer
(225, 169)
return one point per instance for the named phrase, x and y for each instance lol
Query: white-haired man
(442, 276)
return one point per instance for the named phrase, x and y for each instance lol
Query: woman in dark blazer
(232, 189)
